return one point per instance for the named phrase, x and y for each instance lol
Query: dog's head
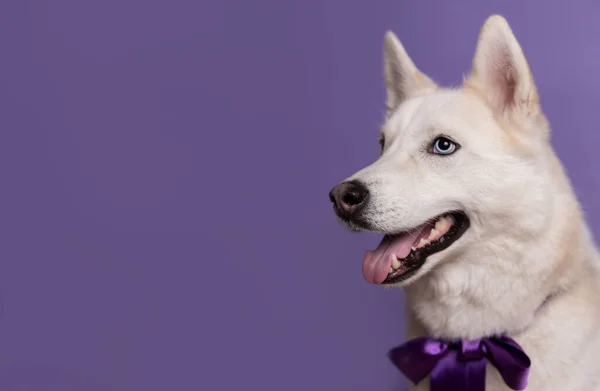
(457, 166)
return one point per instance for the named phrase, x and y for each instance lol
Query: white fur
(528, 240)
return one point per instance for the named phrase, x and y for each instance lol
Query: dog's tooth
(434, 232)
(413, 248)
(395, 262)
(442, 224)
(423, 242)
(391, 271)
(439, 225)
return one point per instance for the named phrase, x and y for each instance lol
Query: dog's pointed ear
(501, 72)
(402, 78)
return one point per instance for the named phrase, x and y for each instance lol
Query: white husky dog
(481, 227)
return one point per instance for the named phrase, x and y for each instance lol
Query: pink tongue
(376, 264)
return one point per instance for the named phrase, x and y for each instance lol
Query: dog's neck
(445, 309)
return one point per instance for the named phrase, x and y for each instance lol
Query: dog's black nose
(348, 197)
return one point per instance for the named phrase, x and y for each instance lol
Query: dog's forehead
(443, 110)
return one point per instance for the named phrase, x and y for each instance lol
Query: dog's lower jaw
(486, 285)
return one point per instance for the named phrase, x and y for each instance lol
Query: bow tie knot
(461, 366)
(471, 350)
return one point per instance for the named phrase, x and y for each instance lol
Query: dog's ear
(402, 78)
(501, 72)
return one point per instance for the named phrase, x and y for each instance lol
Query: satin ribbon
(460, 366)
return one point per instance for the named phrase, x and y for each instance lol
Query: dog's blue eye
(443, 146)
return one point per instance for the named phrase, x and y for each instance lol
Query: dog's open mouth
(400, 256)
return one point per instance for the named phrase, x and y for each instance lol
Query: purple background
(165, 169)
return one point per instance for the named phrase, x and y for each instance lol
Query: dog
(481, 227)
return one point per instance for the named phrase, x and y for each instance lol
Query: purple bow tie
(461, 366)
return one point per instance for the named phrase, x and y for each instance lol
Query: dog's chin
(403, 257)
